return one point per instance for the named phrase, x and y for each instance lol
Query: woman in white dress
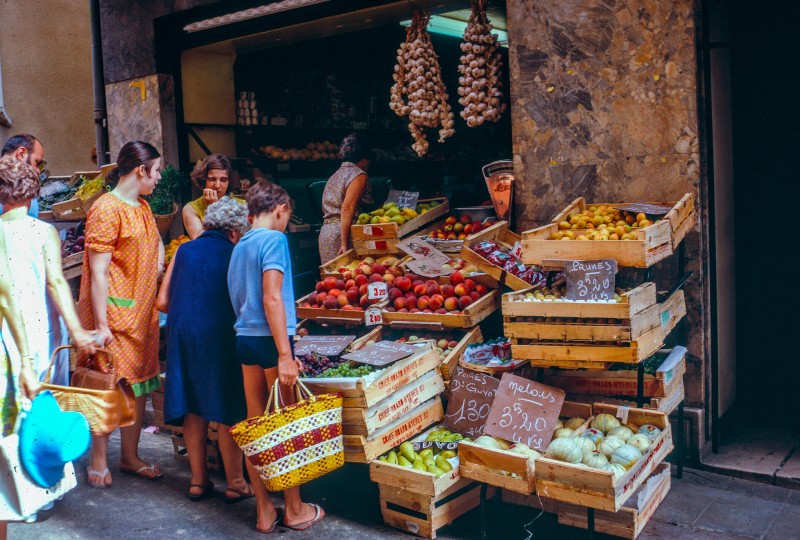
(40, 289)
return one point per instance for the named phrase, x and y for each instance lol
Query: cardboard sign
(373, 316)
(423, 251)
(524, 411)
(377, 290)
(471, 397)
(381, 353)
(427, 268)
(324, 345)
(404, 199)
(591, 280)
(644, 208)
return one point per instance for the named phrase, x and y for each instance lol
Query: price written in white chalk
(377, 290)
(373, 316)
(591, 280)
(471, 396)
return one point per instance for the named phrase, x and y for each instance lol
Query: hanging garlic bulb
(418, 91)
(479, 84)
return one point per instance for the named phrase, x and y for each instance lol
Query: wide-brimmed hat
(49, 438)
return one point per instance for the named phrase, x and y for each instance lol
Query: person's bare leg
(129, 443)
(98, 461)
(255, 391)
(295, 511)
(3, 530)
(232, 460)
(195, 431)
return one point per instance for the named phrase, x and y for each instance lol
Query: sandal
(278, 519)
(140, 472)
(207, 488)
(241, 494)
(306, 524)
(91, 473)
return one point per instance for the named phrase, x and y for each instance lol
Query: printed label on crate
(644, 208)
(414, 424)
(381, 353)
(373, 316)
(324, 345)
(591, 280)
(429, 387)
(665, 316)
(471, 397)
(422, 445)
(524, 411)
(377, 290)
(369, 230)
(404, 199)
(423, 251)
(376, 245)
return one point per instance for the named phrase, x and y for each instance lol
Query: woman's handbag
(294, 444)
(107, 403)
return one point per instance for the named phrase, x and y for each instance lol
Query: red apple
(463, 302)
(448, 291)
(451, 303)
(477, 227)
(452, 236)
(451, 220)
(465, 219)
(452, 344)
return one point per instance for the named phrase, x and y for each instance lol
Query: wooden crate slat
(471, 316)
(634, 301)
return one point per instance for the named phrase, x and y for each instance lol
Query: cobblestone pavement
(702, 505)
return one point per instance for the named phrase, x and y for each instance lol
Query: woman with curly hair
(204, 380)
(213, 175)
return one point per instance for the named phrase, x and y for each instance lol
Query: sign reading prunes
(471, 397)
(524, 411)
(381, 353)
(404, 199)
(324, 345)
(590, 280)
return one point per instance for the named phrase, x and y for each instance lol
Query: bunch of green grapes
(346, 370)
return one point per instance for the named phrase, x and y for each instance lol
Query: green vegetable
(167, 191)
(46, 203)
(345, 370)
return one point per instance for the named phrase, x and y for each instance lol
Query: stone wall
(604, 105)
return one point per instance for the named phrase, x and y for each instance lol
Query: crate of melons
(445, 302)
(585, 231)
(510, 465)
(602, 464)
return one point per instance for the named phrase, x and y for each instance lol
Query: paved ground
(703, 505)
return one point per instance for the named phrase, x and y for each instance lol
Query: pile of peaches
(410, 294)
(350, 291)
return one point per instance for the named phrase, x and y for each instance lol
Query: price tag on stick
(377, 290)
(590, 280)
(471, 397)
(373, 316)
(524, 411)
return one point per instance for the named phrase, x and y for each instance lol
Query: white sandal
(99, 474)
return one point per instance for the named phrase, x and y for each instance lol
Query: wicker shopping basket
(292, 445)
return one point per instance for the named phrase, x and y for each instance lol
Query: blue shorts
(258, 351)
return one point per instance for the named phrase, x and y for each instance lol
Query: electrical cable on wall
(5, 120)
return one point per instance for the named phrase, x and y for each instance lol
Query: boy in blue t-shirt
(260, 285)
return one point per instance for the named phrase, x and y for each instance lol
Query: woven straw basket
(294, 444)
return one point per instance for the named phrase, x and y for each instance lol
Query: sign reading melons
(524, 411)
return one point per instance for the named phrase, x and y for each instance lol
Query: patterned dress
(330, 236)
(129, 233)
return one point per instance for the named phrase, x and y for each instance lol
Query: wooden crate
(72, 265)
(382, 238)
(623, 383)
(361, 449)
(331, 268)
(367, 421)
(653, 243)
(579, 485)
(500, 234)
(352, 317)
(317, 328)
(423, 515)
(632, 517)
(76, 209)
(506, 469)
(180, 452)
(471, 316)
(666, 404)
(367, 391)
(531, 501)
(633, 302)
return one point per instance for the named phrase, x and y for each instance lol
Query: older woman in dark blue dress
(204, 378)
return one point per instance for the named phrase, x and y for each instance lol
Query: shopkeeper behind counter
(213, 176)
(345, 191)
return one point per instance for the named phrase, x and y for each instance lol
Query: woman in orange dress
(118, 294)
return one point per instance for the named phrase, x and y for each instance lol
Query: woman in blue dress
(204, 379)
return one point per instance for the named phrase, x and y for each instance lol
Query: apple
(451, 345)
(448, 228)
(436, 302)
(458, 227)
(461, 236)
(461, 290)
(420, 290)
(451, 236)
(464, 301)
(448, 291)
(302, 331)
(468, 228)
(451, 220)
(451, 304)
(477, 227)
(465, 219)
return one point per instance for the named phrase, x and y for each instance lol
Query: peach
(388, 278)
(340, 284)
(347, 307)
(363, 301)
(463, 302)
(466, 219)
(412, 276)
(321, 298)
(474, 295)
(403, 310)
(430, 282)
(461, 290)
(347, 274)
(362, 290)
(361, 279)
(426, 310)
(422, 302)
(394, 292)
(352, 294)
(320, 286)
(403, 283)
(456, 278)
(469, 284)
(349, 283)
(452, 345)
(330, 303)
(448, 291)
(342, 300)
(477, 227)
(365, 269)
(433, 289)
(390, 309)
(411, 302)
(312, 298)
(451, 303)
(481, 289)
(415, 310)
(399, 303)
(378, 268)
(329, 282)
(436, 302)
(374, 278)
(305, 304)
(421, 290)
(334, 292)
(441, 311)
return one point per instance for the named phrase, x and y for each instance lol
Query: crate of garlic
(585, 231)
(602, 464)
(510, 465)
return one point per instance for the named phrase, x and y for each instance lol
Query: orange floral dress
(129, 233)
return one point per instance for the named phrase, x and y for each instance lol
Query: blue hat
(49, 438)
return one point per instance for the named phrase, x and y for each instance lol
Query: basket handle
(108, 353)
(275, 394)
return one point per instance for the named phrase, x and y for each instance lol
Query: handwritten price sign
(377, 290)
(373, 316)
(471, 396)
(591, 280)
